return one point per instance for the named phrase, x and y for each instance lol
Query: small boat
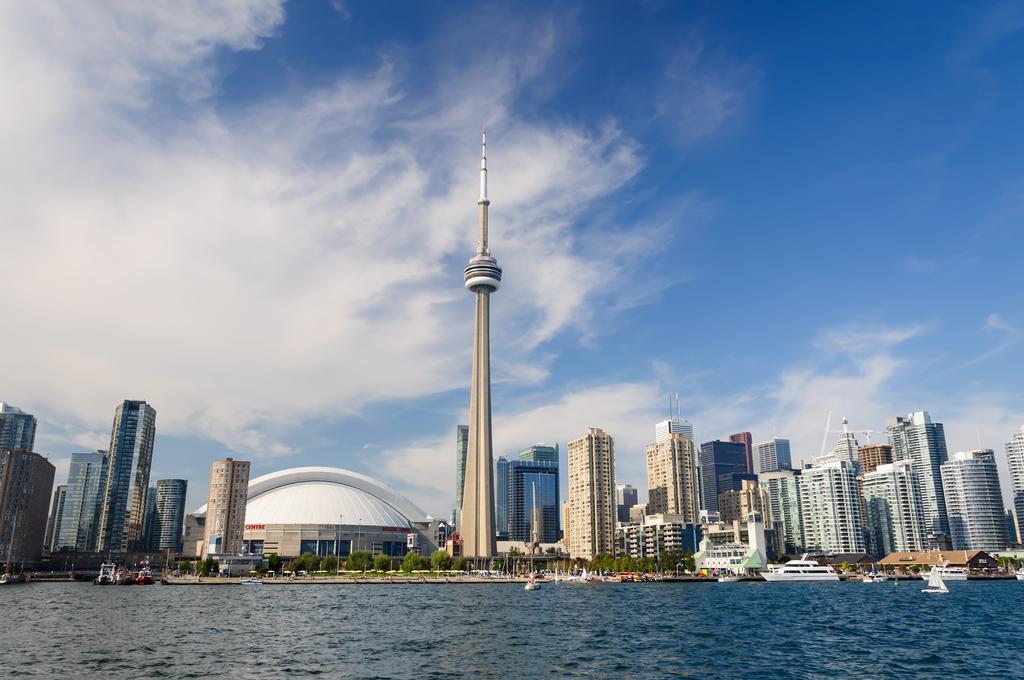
(935, 583)
(1020, 574)
(532, 584)
(874, 577)
(802, 569)
(107, 574)
(728, 578)
(251, 582)
(6, 579)
(145, 578)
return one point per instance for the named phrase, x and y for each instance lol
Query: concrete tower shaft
(483, 277)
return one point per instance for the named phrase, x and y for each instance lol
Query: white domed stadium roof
(325, 495)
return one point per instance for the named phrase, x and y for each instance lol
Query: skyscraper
(1015, 460)
(131, 454)
(501, 496)
(846, 446)
(540, 453)
(674, 424)
(747, 440)
(17, 429)
(783, 490)
(87, 480)
(895, 514)
(170, 515)
(625, 498)
(149, 520)
(591, 525)
(917, 439)
(673, 478)
(831, 508)
(483, 277)
(772, 455)
(26, 479)
(718, 459)
(533, 495)
(53, 522)
(974, 502)
(225, 507)
(461, 444)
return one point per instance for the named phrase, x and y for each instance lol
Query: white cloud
(302, 258)
(700, 93)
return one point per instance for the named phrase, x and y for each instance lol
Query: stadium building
(331, 511)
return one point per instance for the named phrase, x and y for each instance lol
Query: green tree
(460, 564)
(208, 566)
(274, 563)
(360, 560)
(382, 563)
(329, 563)
(185, 566)
(441, 560)
(412, 562)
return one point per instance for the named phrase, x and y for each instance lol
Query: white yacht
(1020, 574)
(935, 583)
(802, 569)
(947, 573)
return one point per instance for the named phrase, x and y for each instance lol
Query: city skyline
(285, 343)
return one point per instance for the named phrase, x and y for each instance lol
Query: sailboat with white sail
(935, 583)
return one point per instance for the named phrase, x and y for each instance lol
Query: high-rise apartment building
(625, 498)
(591, 494)
(53, 522)
(533, 497)
(26, 479)
(974, 502)
(747, 440)
(673, 478)
(461, 444)
(501, 495)
(782, 488)
(17, 429)
(1015, 460)
(225, 507)
(772, 455)
(871, 456)
(738, 505)
(717, 459)
(830, 508)
(895, 513)
(846, 445)
(170, 515)
(917, 439)
(131, 454)
(87, 482)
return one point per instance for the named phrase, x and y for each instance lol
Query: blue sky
(256, 216)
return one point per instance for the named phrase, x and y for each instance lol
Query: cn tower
(483, 277)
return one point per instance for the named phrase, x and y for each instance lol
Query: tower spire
(481, 248)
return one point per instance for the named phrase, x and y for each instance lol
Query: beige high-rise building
(225, 507)
(739, 505)
(591, 524)
(673, 478)
(565, 524)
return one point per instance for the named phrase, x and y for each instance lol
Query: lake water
(601, 630)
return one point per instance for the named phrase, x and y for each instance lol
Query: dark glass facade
(720, 459)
